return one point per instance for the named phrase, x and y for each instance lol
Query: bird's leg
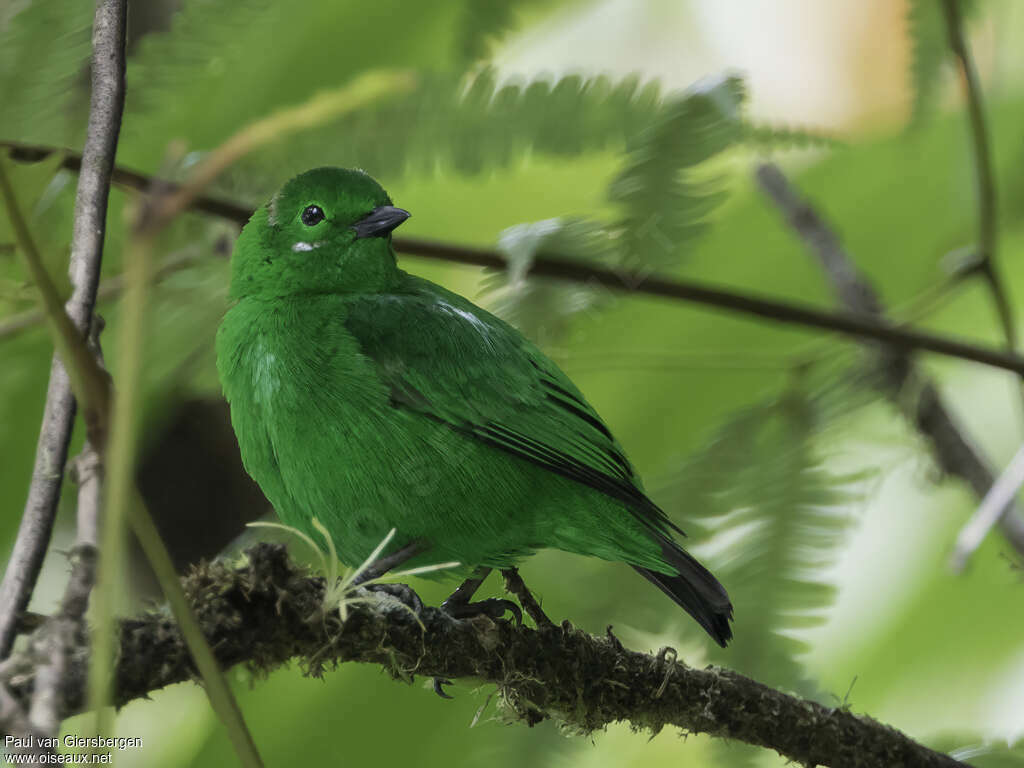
(458, 605)
(515, 585)
(382, 565)
(401, 592)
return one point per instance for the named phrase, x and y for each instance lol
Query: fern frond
(665, 202)
(467, 127)
(784, 516)
(763, 136)
(484, 23)
(664, 205)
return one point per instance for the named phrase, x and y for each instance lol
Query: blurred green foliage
(820, 510)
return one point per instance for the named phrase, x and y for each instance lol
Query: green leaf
(484, 22)
(665, 206)
(764, 137)
(761, 485)
(664, 203)
(467, 126)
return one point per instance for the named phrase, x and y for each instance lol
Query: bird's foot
(439, 683)
(458, 606)
(401, 593)
(493, 607)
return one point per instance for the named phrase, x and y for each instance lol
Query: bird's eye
(312, 215)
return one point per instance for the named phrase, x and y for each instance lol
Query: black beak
(380, 222)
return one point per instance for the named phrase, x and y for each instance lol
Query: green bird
(371, 399)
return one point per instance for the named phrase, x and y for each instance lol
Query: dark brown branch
(96, 166)
(955, 452)
(855, 326)
(268, 612)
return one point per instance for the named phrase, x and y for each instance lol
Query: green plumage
(372, 399)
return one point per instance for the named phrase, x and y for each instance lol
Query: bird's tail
(694, 589)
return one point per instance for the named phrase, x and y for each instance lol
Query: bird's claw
(493, 607)
(439, 682)
(403, 593)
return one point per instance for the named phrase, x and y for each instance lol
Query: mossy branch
(268, 611)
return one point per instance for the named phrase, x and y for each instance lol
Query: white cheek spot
(302, 245)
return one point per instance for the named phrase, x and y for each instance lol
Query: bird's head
(328, 230)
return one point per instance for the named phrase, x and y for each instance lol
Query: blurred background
(801, 487)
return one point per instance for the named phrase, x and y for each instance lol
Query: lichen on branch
(268, 611)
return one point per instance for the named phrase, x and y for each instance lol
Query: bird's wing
(445, 358)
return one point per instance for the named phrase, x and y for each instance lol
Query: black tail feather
(695, 590)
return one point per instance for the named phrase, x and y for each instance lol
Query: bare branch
(268, 611)
(106, 105)
(573, 270)
(14, 721)
(954, 451)
(67, 630)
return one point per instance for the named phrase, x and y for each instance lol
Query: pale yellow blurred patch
(841, 65)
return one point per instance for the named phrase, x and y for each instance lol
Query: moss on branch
(267, 612)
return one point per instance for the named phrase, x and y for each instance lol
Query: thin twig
(110, 288)
(259, 613)
(15, 723)
(987, 516)
(999, 498)
(106, 105)
(954, 451)
(217, 689)
(573, 270)
(984, 171)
